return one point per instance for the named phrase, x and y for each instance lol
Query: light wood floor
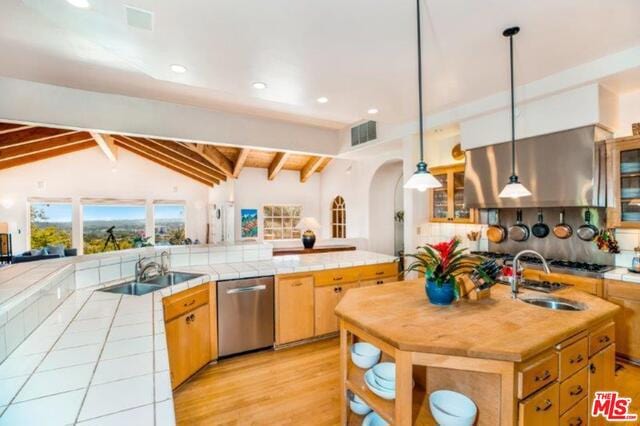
(296, 386)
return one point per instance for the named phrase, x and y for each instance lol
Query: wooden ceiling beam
(185, 151)
(12, 127)
(43, 155)
(242, 158)
(31, 134)
(43, 145)
(105, 142)
(310, 168)
(145, 152)
(215, 157)
(277, 164)
(324, 164)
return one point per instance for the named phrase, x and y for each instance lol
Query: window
(169, 224)
(338, 218)
(280, 221)
(126, 222)
(50, 224)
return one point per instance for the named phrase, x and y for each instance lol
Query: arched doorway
(386, 224)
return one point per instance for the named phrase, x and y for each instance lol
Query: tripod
(111, 238)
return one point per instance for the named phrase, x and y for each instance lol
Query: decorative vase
(308, 239)
(443, 294)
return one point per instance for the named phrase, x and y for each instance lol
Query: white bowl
(358, 406)
(370, 381)
(452, 408)
(364, 354)
(374, 419)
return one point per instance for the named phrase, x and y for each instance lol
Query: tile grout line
(93, 373)
(153, 345)
(47, 353)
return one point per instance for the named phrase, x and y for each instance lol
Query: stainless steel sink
(171, 278)
(155, 283)
(133, 288)
(555, 303)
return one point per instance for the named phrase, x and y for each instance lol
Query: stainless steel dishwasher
(245, 315)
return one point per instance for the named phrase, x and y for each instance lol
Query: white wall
(89, 173)
(382, 205)
(629, 110)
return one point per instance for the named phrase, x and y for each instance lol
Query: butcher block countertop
(497, 328)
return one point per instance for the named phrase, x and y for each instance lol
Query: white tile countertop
(101, 358)
(622, 274)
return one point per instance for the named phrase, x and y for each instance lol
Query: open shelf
(355, 383)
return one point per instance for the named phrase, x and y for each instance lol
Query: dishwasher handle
(249, 289)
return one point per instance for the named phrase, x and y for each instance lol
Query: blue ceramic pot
(442, 294)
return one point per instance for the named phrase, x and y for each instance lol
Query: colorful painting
(249, 223)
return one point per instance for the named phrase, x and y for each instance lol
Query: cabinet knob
(592, 368)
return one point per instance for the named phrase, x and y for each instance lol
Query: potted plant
(441, 263)
(141, 240)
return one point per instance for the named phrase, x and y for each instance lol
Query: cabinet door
(461, 213)
(627, 296)
(624, 182)
(601, 376)
(440, 200)
(327, 299)
(294, 315)
(188, 343)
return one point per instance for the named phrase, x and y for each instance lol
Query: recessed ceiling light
(82, 4)
(372, 110)
(178, 69)
(259, 85)
(323, 100)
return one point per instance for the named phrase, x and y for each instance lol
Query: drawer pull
(296, 284)
(337, 289)
(379, 282)
(546, 406)
(592, 368)
(380, 273)
(190, 318)
(546, 375)
(576, 360)
(575, 421)
(576, 390)
(604, 339)
(249, 289)
(337, 278)
(190, 303)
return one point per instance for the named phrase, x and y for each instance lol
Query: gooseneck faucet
(514, 274)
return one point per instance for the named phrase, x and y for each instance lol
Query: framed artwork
(248, 223)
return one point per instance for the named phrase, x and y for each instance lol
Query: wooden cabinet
(623, 182)
(601, 376)
(326, 300)
(190, 327)
(294, 309)
(627, 330)
(542, 408)
(447, 203)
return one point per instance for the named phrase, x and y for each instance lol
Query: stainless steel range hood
(563, 169)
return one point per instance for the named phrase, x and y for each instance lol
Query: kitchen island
(519, 363)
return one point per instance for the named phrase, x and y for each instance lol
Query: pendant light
(421, 179)
(513, 189)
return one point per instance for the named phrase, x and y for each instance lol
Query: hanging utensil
(519, 231)
(587, 231)
(496, 233)
(562, 230)
(540, 229)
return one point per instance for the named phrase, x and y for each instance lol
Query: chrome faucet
(165, 261)
(514, 274)
(141, 268)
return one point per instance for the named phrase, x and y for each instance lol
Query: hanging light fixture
(513, 189)
(421, 179)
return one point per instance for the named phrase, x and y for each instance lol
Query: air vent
(362, 133)
(139, 18)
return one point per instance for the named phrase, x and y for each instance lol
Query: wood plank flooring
(296, 386)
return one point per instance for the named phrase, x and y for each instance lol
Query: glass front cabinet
(623, 157)
(447, 203)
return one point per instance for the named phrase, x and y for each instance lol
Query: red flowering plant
(442, 262)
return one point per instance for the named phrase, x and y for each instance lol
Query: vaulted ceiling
(207, 164)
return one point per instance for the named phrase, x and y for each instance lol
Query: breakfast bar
(519, 363)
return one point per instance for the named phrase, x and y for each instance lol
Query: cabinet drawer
(601, 338)
(540, 409)
(577, 416)
(537, 374)
(382, 270)
(573, 389)
(379, 281)
(573, 358)
(336, 276)
(185, 301)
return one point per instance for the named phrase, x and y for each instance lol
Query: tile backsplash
(628, 239)
(431, 233)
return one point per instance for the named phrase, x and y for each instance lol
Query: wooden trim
(310, 168)
(31, 134)
(216, 158)
(43, 155)
(144, 154)
(12, 127)
(277, 164)
(43, 145)
(188, 154)
(105, 142)
(242, 158)
(111, 201)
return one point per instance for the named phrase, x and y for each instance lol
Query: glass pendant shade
(514, 189)
(422, 179)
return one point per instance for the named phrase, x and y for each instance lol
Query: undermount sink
(555, 303)
(158, 282)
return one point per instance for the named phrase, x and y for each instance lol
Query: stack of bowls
(364, 354)
(452, 408)
(381, 380)
(374, 419)
(358, 406)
